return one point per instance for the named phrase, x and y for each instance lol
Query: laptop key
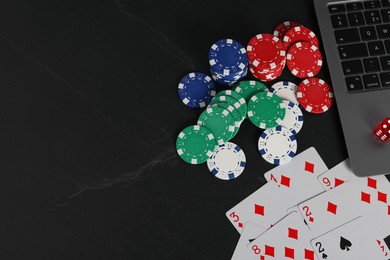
(383, 31)
(372, 17)
(354, 83)
(371, 65)
(371, 81)
(372, 4)
(336, 8)
(339, 21)
(385, 62)
(356, 6)
(387, 44)
(347, 35)
(376, 48)
(385, 79)
(356, 19)
(357, 50)
(385, 15)
(352, 67)
(368, 33)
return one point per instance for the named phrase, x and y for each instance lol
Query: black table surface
(89, 115)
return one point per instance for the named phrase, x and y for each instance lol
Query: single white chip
(227, 162)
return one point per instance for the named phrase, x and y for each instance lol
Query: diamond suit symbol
(309, 167)
(332, 208)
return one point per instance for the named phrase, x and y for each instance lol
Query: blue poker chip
(277, 145)
(228, 80)
(228, 61)
(227, 162)
(196, 90)
(293, 120)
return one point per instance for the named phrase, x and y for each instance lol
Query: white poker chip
(293, 120)
(227, 162)
(285, 90)
(277, 145)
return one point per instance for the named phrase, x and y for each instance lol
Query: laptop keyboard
(362, 31)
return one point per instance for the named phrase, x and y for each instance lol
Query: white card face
(288, 239)
(271, 202)
(346, 202)
(264, 207)
(306, 166)
(250, 232)
(354, 240)
(337, 176)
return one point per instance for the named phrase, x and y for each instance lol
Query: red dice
(382, 131)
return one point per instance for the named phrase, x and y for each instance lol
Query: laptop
(356, 40)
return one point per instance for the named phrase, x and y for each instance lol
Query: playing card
(249, 233)
(264, 207)
(338, 175)
(306, 166)
(271, 202)
(354, 240)
(288, 239)
(346, 202)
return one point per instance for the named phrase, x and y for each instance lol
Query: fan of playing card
(306, 211)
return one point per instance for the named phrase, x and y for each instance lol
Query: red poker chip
(273, 71)
(266, 76)
(299, 34)
(304, 60)
(282, 28)
(265, 52)
(315, 95)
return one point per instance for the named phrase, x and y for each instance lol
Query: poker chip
(219, 121)
(195, 144)
(304, 60)
(228, 61)
(196, 90)
(234, 113)
(315, 95)
(277, 145)
(242, 109)
(266, 110)
(299, 34)
(285, 90)
(267, 76)
(237, 96)
(227, 162)
(248, 88)
(293, 120)
(282, 28)
(265, 51)
(267, 57)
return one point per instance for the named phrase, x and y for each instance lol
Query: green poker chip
(195, 144)
(248, 88)
(266, 110)
(242, 109)
(219, 121)
(234, 113)
(237, 96)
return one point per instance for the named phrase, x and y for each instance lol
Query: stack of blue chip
(196, 90)
(228, 61)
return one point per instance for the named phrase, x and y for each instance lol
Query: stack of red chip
(304, 60)
(303, 56)
(298, 47)
(267, 57)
